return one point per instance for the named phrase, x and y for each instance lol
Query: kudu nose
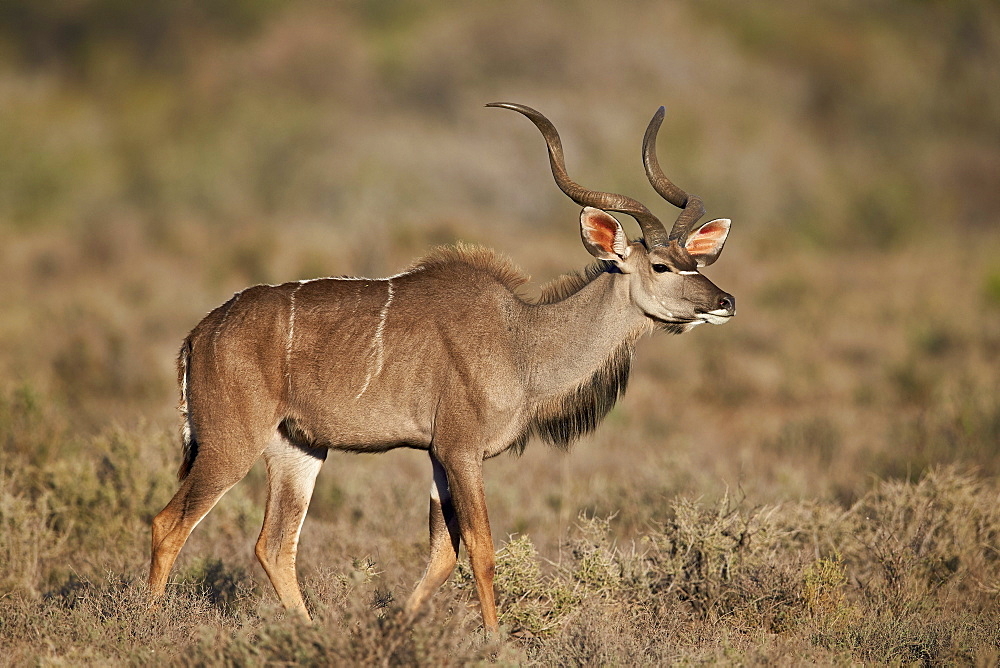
(728, 302)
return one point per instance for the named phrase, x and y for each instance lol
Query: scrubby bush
(904, 554)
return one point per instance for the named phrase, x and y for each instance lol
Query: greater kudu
(445, 357)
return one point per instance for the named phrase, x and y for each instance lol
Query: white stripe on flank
(291, 335)
(377, 350)
(222, 321)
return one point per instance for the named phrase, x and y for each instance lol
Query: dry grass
(814, 482)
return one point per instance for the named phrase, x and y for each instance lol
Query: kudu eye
(660, 268)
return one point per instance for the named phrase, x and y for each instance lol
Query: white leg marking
(439, 488)
(303, 464)
(376, 352)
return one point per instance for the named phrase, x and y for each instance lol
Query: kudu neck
(568, 341)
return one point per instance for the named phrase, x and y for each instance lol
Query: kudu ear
(705, 244)
(603, 235)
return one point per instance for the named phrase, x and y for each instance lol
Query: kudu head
(662, 267)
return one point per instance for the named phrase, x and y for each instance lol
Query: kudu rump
(445, 357)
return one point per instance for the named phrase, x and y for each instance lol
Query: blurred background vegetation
(156, 157)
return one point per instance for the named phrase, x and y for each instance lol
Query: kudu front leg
(444, 539)
(465, 478)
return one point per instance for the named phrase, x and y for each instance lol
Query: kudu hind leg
(198, 494)
(291, 475)
(444, 539)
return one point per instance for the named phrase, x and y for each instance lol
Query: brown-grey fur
(335, 319)
(559, 419)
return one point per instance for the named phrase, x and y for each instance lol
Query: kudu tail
(189, 443)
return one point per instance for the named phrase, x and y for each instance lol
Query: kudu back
(445, 357)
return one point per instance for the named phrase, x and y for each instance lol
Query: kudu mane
(508, 274)
(562, 420)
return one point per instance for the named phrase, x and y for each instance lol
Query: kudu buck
(445, 357)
